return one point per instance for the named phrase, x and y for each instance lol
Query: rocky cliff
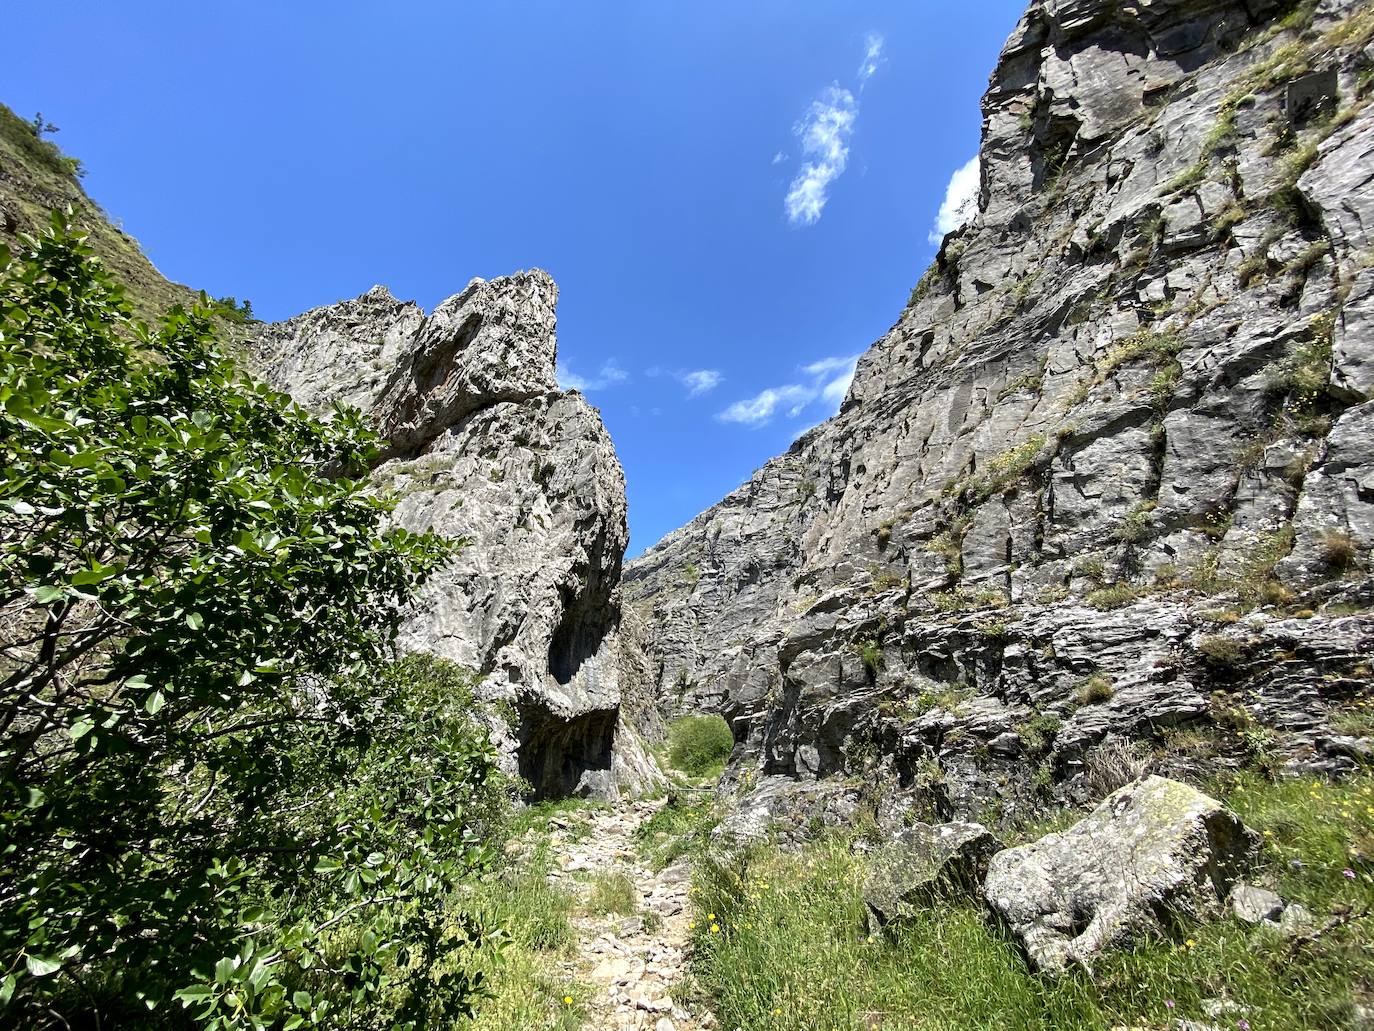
(1102, 499)
(483, 445)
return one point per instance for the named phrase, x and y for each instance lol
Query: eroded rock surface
(1153, 856)
(1102, 496)
(484, 446)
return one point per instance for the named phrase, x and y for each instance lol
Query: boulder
(921, 861)
(1154, 854)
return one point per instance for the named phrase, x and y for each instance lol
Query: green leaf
(301, 1000)
(154, 703)
(47, 594)
(195, 620)
(42, 966)
(80, 728)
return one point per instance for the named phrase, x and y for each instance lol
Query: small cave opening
(562, 758)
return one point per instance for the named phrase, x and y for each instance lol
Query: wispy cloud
(825, 382)
(873, 58)
(960, 204)
(824, 133)
(609, 375)
(779, 158)
(699, 381)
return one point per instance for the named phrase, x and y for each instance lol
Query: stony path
(632, 963)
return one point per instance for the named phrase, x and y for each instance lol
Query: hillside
(36, 178)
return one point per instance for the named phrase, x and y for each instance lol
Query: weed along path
(634, 923)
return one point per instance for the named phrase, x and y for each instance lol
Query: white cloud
(779, 158)
(873, 58)
(827, 381)
(700, 381)
(824, 133)
(961, 202)
(610, 375)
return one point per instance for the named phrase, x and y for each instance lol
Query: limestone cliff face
(484, 446)
(1111, 474)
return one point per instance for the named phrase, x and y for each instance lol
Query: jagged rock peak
(416, 373)
(484, 447)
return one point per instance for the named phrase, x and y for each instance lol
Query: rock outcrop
(1104, 495)
(908, 872)
(483, 445)
(1153, 856)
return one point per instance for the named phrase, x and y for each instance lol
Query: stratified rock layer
(1109, 478)
(482, 445)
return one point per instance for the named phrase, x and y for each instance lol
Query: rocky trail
(634, 964)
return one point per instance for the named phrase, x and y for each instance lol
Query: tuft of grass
(1220, 651)
(699, 745)
(1097, 688)
(613, 892)
(781, 941)
(1112, 596)
(1338, 550)
(680, 828)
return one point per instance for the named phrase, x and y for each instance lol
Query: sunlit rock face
(482, 445)
(1107, 485)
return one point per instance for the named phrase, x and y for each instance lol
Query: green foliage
(949, 543)
(1002, 473)
(681, 827)
(1112, 596)
(790, 950)
(1136, 525)
(1039, 731)
(212, 796)
(27, 138)
(699, 745)
(870, 653)
(1096, 688)
(521, 966)
(1148, 345)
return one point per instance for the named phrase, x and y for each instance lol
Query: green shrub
(699, 745)
(214, 794)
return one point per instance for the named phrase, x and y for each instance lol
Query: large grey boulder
(922, 861)
(1152, 854)
(483, 446)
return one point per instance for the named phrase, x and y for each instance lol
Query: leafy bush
(212, 789)
(698, 745)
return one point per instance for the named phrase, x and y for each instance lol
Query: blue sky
(735, 198)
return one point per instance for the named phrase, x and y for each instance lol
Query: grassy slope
(781, 942)
(36, 178)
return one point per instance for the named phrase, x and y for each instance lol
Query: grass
(680, 828)
(790, 950)
(613, 892)
(699, 745)
(527, 988)
(1003, 471)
